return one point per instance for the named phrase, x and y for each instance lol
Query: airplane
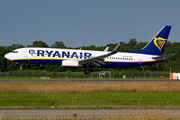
(69, 58)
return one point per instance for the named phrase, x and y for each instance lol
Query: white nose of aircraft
(8, 56)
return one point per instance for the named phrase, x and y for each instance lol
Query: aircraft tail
(157, 44)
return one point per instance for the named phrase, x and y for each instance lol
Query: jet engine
(70, 64)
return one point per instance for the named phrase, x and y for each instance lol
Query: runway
(89, 113)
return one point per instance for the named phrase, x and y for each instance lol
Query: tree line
(172, 62)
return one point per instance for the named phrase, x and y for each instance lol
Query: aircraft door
(139, 60)
(25, 53)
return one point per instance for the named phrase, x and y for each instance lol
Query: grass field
(91, 100)
(162, 94)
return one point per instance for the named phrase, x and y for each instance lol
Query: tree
(38, 44)
(131, 44)
(58, 44)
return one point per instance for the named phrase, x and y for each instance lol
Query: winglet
(106, 49)
(116, 48)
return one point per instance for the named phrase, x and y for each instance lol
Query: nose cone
(8, 56)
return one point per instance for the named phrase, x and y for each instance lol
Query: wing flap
(96, 61)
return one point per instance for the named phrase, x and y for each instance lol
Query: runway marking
(90, 113)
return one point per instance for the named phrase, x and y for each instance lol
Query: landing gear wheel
(87, 72)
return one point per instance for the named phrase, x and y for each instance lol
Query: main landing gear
(87, 72)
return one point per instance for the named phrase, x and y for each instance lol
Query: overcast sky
(86, 22)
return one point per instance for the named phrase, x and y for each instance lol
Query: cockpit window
(14, 51)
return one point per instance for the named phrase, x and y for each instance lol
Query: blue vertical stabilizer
(157, 44)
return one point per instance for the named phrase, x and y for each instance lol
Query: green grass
(91, 100)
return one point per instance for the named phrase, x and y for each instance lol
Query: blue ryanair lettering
(74, 55)
(87, 55)
(81, 55)
(65, 54)
(56, 54)
(49, 53)
(40, 52)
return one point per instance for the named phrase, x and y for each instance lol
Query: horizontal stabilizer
(162, 57)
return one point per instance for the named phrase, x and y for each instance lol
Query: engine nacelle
(70, 64)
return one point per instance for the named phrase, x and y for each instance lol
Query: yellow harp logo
(159, 42)
(117, 46)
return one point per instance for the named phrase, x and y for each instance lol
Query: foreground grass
(90, 95)
(91, 100)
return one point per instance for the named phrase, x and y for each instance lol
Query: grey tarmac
(89, 113)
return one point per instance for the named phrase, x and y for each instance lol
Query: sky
(79, 23)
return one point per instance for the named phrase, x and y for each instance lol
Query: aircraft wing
(95, 61)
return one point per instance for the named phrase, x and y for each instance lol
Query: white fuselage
(54, 56)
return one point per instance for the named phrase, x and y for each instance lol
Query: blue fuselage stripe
(107, 64)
